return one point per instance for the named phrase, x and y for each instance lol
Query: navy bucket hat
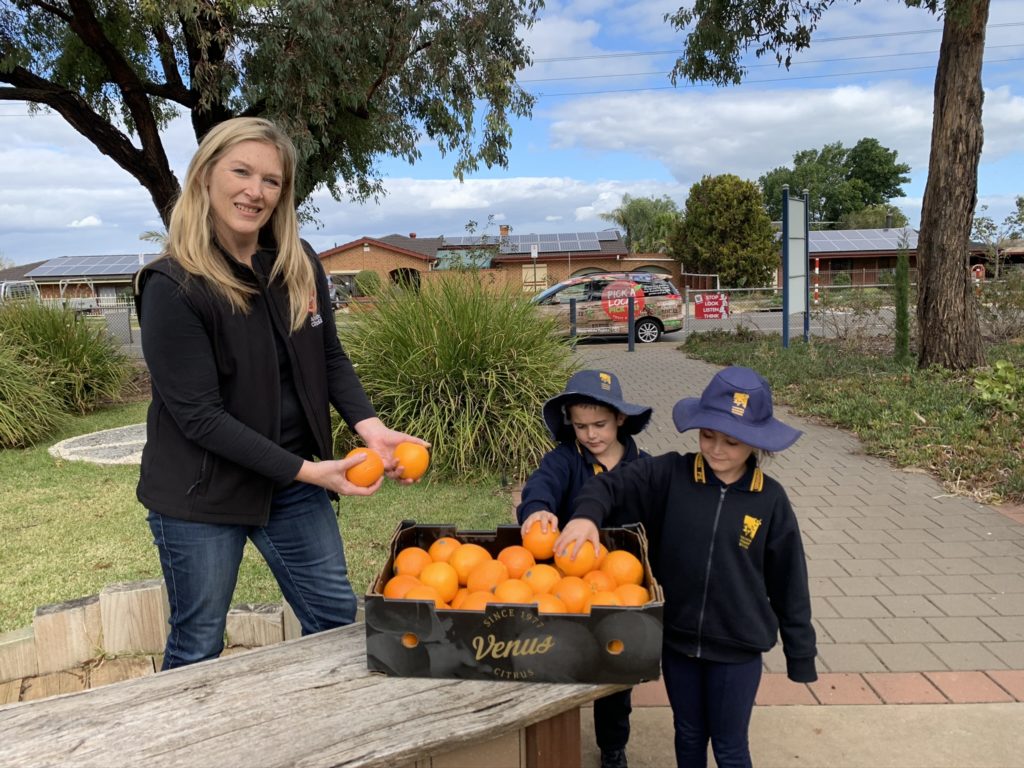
(738, 403)
(595, 387)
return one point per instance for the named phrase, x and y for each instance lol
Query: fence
(835, 311)
(115, 316)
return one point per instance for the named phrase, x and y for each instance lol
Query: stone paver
(906, 688)
(843, 689)
(1011, 681)
(968, 687)
(778, 690)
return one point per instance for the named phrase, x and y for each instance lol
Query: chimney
(412, 235)
(504, 230)
(888, 220)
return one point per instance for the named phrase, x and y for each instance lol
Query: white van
(18, 290)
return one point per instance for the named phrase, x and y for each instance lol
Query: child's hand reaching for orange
(548, 522)
(577, 531)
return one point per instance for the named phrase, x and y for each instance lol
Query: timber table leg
(555, 742)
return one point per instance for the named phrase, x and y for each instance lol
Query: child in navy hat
(726, 548)
(594, 427)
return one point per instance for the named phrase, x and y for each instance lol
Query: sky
(607, 122)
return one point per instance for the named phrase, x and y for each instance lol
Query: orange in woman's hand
(367, 472)
(414, 459)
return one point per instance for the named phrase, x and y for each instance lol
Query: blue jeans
(710, 700)
(302, 545)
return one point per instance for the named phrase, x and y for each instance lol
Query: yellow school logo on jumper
(750, 526)
(606, 380)
(739, 403)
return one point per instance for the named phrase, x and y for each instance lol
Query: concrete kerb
(121, 445)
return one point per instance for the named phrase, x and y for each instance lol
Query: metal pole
(630, 323)
(572, 318)
(807, 255)
(785, 265)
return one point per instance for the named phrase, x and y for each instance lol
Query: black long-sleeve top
(729, 557)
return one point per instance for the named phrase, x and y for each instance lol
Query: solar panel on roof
(88, 266)
(548, 248)
(548, 238)
(607, 235)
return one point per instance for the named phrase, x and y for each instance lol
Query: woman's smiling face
(244, 187)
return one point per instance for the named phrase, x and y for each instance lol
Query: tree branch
(85, 25)
(174, 88)
(76, 110)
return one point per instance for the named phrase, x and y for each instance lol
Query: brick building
(529, 262)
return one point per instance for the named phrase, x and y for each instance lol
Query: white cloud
(745, 132)
(88, 221)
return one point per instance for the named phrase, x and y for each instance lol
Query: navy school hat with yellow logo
(738, 403)
(596, 387)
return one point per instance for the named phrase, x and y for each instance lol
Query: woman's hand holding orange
(384, 441)
(331, 475)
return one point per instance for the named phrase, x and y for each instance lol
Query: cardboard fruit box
(413, 638)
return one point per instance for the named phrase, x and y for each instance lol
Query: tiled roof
(18, 272)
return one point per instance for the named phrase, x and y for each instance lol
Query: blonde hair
(190, 232)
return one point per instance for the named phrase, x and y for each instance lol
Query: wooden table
(306, 702)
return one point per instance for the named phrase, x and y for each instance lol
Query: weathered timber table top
(305, 702)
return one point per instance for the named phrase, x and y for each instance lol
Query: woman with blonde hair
(239, 337)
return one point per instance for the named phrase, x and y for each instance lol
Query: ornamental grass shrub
(29, 409)
(80, 364)
(464, 365)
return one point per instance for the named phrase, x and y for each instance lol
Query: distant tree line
(726, 224)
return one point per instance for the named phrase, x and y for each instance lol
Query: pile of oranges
(465, 576)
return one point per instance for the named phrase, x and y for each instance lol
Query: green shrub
(902, 308)
(1002, 306)
(82, 366)
(29, 410)
(1002, 386)
(466, 367)
(841, 280)
(367, 282)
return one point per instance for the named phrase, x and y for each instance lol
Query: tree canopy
(997, 237)
(719, 32)
(349, 80)
(840, 180)
(877, 216)
(646, 221)
(725, 231)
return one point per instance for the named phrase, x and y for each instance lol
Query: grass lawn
(71, 528)
(933, 419)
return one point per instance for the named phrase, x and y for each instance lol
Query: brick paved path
(918, 595)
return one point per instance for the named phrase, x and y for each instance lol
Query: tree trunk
(947, 310)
